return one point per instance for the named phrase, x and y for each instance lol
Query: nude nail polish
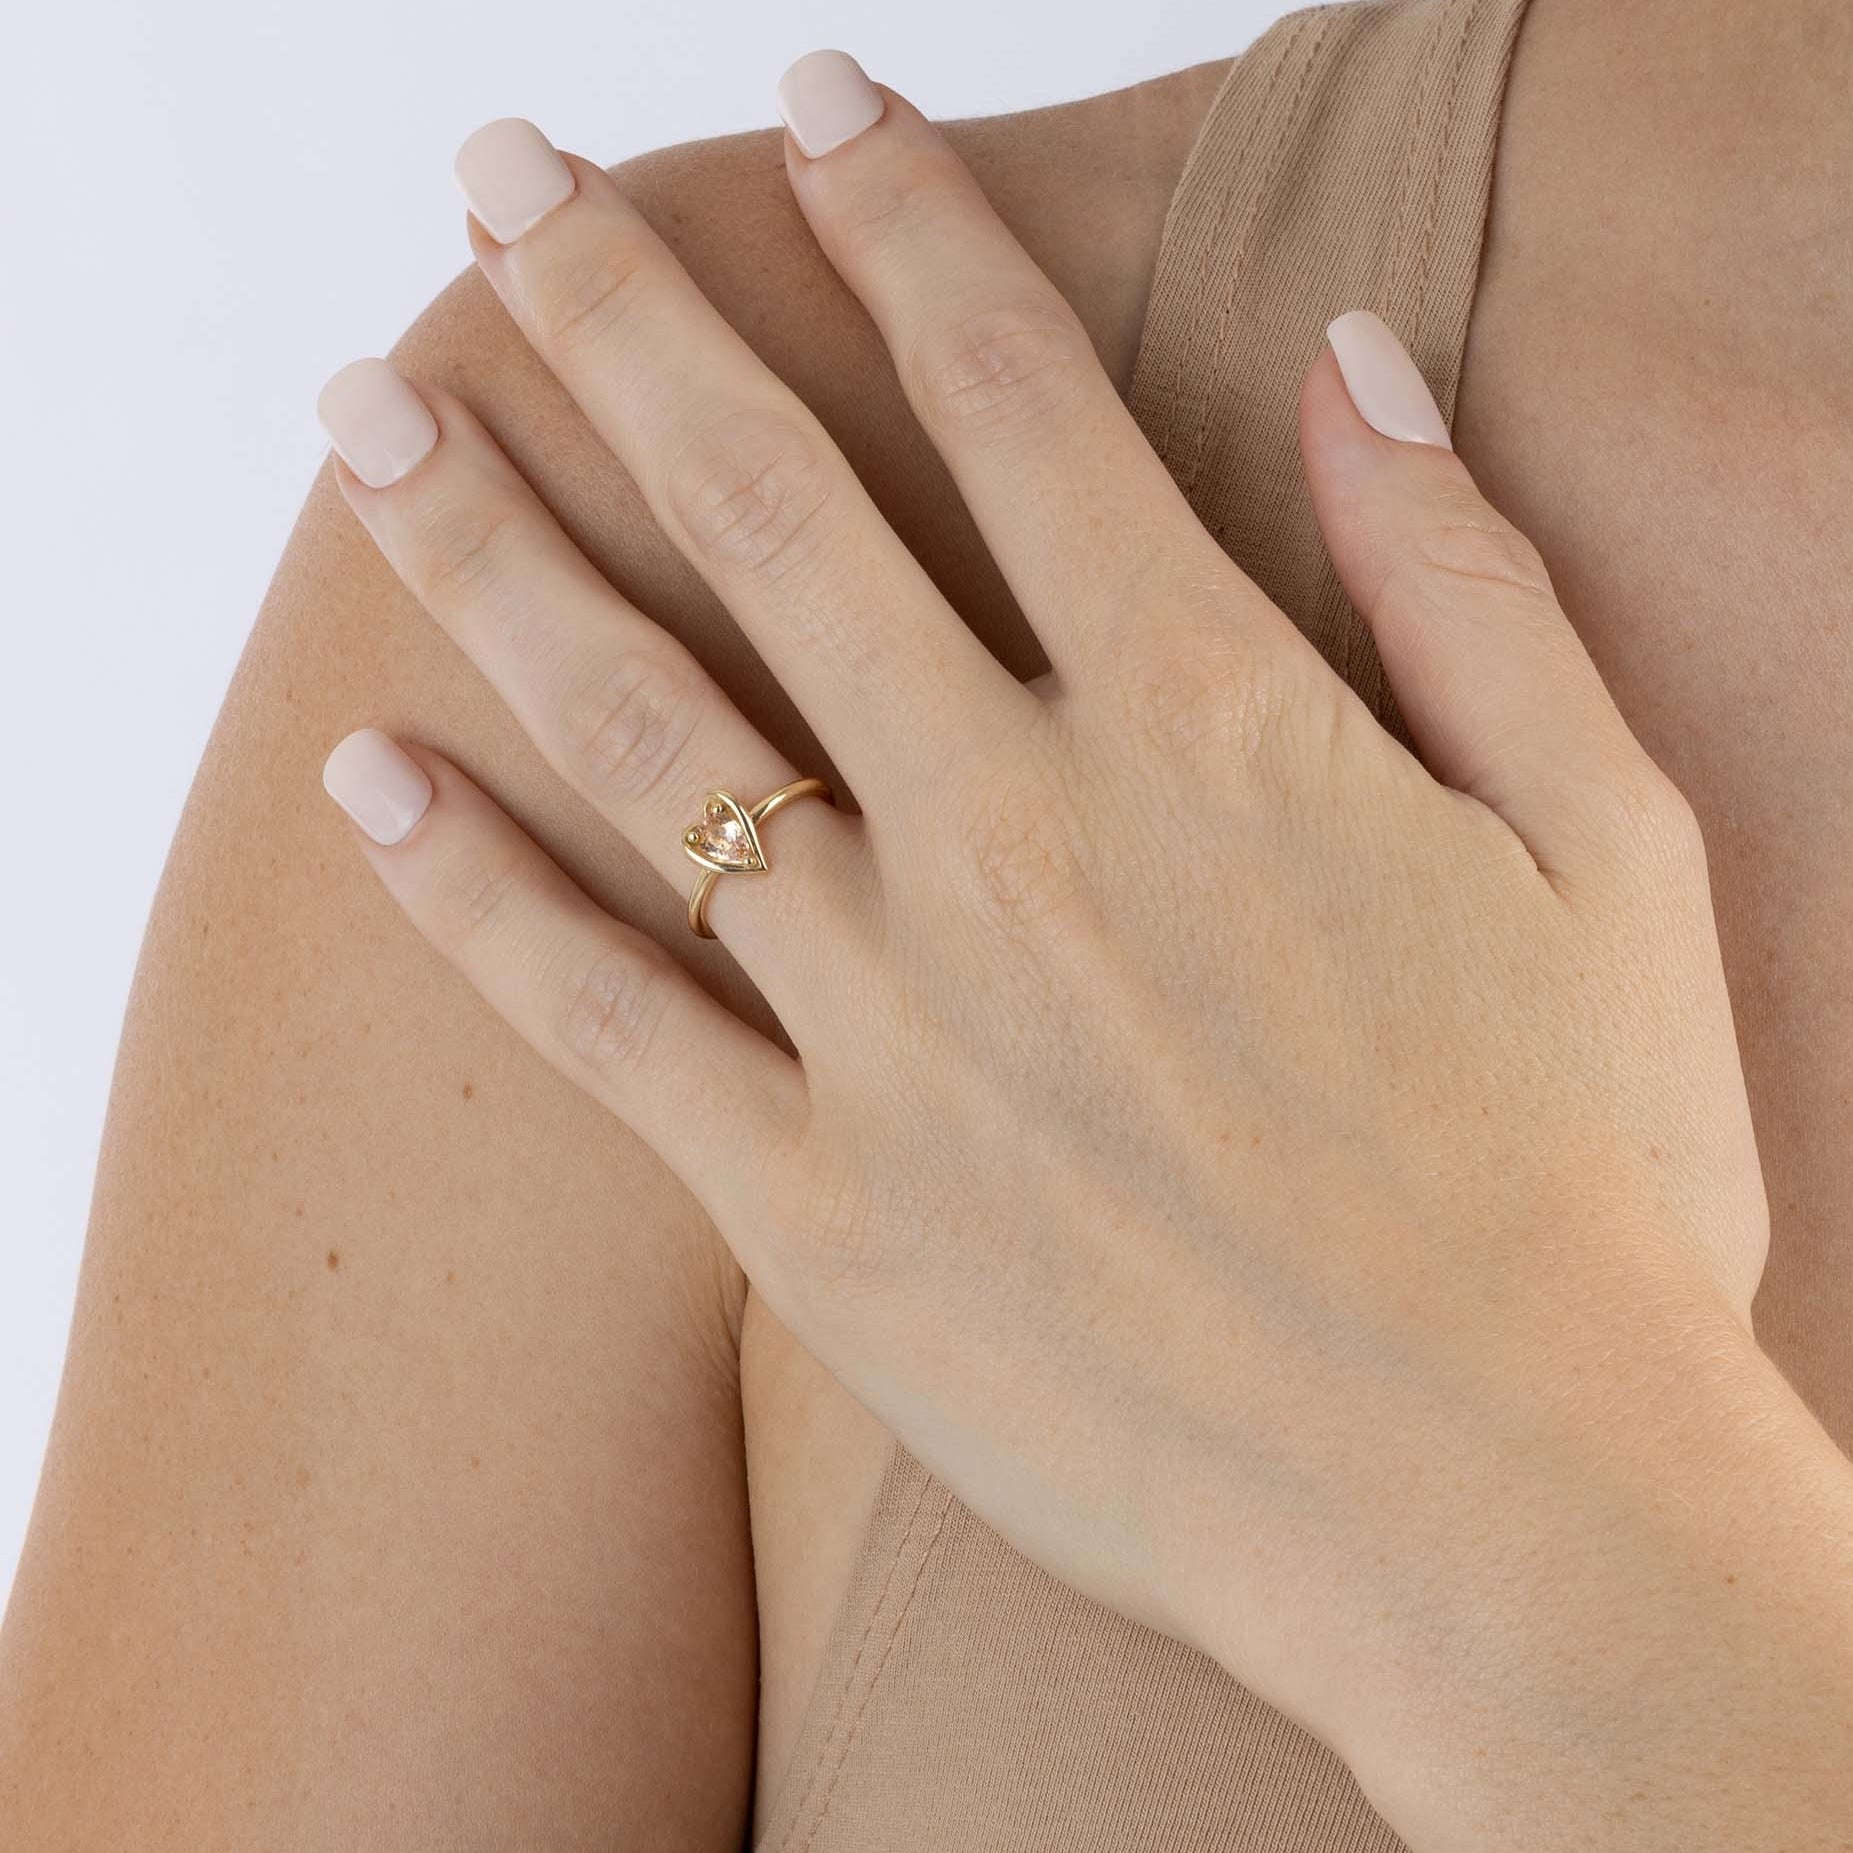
(512, 176)
(1384, 383)
(383, 789)
(826, 100)
(376, 421)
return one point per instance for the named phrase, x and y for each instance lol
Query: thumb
(1498, 693)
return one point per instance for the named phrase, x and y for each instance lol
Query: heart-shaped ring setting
(726, 840)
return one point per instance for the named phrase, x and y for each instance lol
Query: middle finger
(736, 469)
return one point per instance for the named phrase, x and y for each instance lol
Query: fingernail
(380, 787)
(1385, 385)
(512, 177)
(376, 421)
(826, 100)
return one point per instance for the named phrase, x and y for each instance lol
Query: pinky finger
(605, 1004)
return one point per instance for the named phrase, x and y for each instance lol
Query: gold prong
(720, 804)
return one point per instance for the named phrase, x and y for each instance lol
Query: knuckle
(1002, 368)
(585, 298)
(628, 725)
(608, 1010)
(750, 491)
(465, 554)
(1470, 550)
(1213, 691)
(882, 209)
(1020, 862)
(470, 898)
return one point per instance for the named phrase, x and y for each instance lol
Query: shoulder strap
(1345, 163)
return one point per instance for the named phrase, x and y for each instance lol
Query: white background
(210, 205)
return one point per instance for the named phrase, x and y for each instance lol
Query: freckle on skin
(476, 1461)
(469, 1090)
(334, 1260)
(450, 1277)
(303, 1476)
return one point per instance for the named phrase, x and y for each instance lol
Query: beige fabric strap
(968, 1702)
(1346, 164)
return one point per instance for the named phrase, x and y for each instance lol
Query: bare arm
(396, 1493)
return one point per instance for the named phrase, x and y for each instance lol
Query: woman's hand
(1302, 1194)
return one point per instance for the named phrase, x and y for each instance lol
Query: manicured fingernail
(826, 100)
(381, 788)
(512, 177)
(376, 421)
(1385, 385)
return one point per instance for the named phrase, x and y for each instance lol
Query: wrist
(1645, 1639)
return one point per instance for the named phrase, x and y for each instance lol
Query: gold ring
(726, 841)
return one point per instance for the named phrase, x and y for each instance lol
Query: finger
(1079, 512)
(738, 471)
(1494, 684)
(603, 1003)
(619, 707)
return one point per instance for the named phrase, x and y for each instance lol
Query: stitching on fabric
(1185, 347)
(1418, 123)
(848, 1685)
(894, 1634)
(1352, 634)
(1148, 365)
(1225, 315)
(1225, 206)
(1515, 19)
(1444, 142)
(1357, 638)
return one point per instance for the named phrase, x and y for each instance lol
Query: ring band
(726, 841)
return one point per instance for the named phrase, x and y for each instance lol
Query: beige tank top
(967, 1702)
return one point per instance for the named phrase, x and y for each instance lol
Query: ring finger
(619, 708)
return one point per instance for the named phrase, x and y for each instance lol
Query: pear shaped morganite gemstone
(723, 837)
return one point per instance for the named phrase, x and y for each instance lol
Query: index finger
(1077, 509)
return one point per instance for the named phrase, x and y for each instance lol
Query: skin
(140, 1552)
(1387, 1338)
(1336, 1253)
